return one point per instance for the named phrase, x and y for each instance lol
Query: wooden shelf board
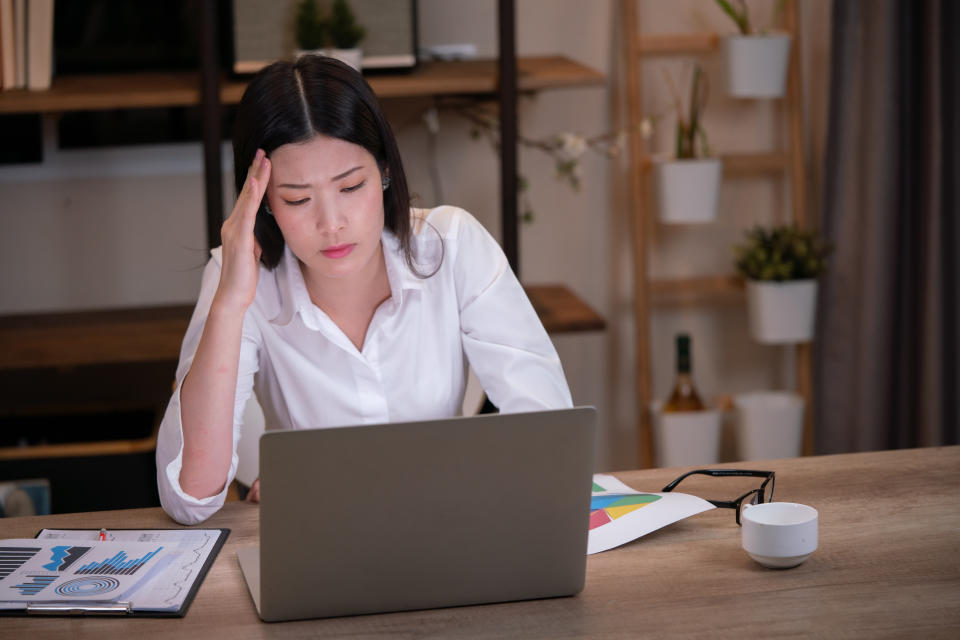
(653, 44)
(114, 91)
(561, 311)
(80, 449)
(123, 91)
(155, 334)
(740, 163)
(92, 338)
(682, 291)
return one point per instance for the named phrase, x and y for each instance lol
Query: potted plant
(309, 28)
(755, 63)
(781, 266)
(336, 36)
(689, 183)
(345, 35)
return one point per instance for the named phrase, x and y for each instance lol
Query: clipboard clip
(79, 609)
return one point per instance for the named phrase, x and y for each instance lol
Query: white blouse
(413, 365)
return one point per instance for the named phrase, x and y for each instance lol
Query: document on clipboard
(133, 572)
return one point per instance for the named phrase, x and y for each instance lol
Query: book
(8, 70)
(20, 43)
(39, 45)
(135, 572)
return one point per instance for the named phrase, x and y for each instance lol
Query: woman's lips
(338, 251)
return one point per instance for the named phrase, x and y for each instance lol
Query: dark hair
(290, 102)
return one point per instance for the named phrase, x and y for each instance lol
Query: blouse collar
(294, 297)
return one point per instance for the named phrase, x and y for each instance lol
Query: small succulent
(310, 27)
(339, 30)
(345, 32)
(781, 253)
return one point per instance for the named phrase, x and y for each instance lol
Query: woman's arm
(504, 340)
(208, 392)
(207, 397)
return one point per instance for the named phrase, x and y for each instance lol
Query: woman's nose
(329, 218)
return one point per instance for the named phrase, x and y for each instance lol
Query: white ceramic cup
(779, 535)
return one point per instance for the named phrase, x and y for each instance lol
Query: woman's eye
(353, 188)
(296, 203)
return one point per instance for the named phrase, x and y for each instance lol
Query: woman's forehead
(319, 158)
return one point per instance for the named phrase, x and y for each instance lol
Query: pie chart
(604, 509)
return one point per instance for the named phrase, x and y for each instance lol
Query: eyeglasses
(763, 493)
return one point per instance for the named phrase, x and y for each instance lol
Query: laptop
(422, 515)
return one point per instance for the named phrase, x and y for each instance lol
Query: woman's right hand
(240, 263)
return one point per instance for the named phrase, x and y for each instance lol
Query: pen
(102, 535)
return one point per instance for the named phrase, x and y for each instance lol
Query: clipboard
(123, 572)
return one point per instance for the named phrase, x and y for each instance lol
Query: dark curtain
(887, 351)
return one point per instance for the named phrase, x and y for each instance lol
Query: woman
(332, 298)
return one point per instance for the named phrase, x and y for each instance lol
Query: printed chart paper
(43, 570)
(619, 514)
(152, 570)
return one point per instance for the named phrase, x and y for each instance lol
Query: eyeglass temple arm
(719, 473)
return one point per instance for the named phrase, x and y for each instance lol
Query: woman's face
(327, 197)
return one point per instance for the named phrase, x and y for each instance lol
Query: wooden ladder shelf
(649, 292)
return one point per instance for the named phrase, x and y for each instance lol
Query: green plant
(741, 17)
(689, 127)
(738, 14)
(781, 253)
(310, 27)
(345, 32)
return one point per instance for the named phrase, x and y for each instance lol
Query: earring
(266, 208)
(386, 182)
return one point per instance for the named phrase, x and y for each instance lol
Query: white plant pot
(686, 438)
(688, 190)
(781, 312)
(297, 53)
(756, 66)
(352, 57)
(769, 424)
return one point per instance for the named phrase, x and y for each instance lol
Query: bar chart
(12, 558)
(35, 586)
(118, 565)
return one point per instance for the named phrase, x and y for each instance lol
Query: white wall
(115, 228)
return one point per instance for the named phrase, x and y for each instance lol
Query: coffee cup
(779, 535)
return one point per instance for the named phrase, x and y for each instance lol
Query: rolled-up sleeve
(180, 506)
(504, 340)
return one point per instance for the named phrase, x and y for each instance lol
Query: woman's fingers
(254, 493)
(258, 188)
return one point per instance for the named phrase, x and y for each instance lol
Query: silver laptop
(420, 515)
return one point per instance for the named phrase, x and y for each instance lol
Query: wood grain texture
(639, 230)
(562, 311)
(134, 90)
(93, 337)
(887, 567)
(155, 334)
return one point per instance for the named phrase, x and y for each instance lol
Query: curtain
(887, 351)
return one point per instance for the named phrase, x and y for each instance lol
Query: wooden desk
(888, 566)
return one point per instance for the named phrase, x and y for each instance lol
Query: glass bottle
(684, 396)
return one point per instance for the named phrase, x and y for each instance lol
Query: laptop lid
(422, 515)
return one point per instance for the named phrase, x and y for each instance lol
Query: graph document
(150, 570)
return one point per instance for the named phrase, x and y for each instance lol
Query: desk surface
(888, 566)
